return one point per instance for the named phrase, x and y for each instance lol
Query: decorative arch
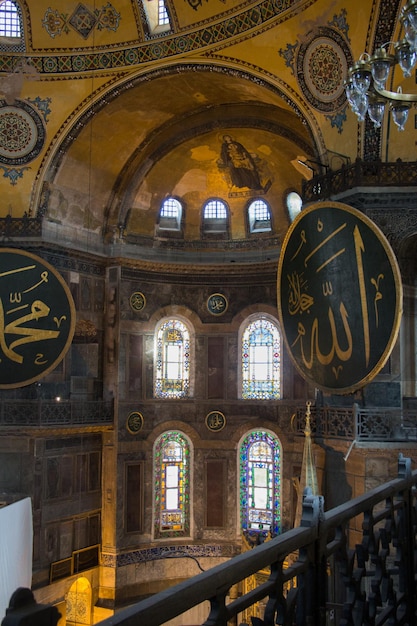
(155, 146)
(79, 602)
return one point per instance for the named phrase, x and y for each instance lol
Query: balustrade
(43, 413)
(359, 174)
(356, 423)
(351, 566)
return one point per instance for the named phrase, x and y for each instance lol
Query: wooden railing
(350, 566)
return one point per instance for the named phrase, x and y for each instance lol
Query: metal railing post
(310, 583)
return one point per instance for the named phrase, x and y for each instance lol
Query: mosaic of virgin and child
(243, 167)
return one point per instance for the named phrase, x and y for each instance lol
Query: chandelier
(367, 78)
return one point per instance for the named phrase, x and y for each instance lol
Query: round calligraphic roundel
(22, 133)
(339, 297)
(37, 318)
(134, 422)
(217, 304)
(215, 421)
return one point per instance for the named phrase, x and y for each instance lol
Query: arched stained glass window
(261, 360)
(260, 483)
(172, 364)
(172, 485)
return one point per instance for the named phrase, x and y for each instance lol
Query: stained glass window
(172, 485)
(261, 360)
(172, 364)
(260, 483)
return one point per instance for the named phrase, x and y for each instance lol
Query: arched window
(294, 204)
(11, 26)
(171, 485)
(172, 360)
(157, 17)
(170, 214)
(260, 483)
(260, 359)
(163, 17)
(215, 217)
(259, 217)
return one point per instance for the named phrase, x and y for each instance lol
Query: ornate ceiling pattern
(101, 121)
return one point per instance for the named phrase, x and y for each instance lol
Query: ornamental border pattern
(396, 230)
(110, 58)
(385, 23)
(166, 552)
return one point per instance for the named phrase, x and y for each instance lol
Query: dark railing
(20, 226)
(360, 174)
(350, 566)
(374, 424)
(79, 561)
(42, 413)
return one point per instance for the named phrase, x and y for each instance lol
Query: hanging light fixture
(366, 84)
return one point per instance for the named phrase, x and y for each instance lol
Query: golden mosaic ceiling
(122, 118)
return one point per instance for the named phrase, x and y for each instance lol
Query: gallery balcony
(56, 413)
(353, 565)
(362, 184)
(376, 424)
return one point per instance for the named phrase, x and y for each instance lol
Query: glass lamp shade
(361, 75)
(410, 10)
(352, 94)
(376, 110)
(381, 63)
(409, 32)
(406, 57)
(361, 107)
(399, 114)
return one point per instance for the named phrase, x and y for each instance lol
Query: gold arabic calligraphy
(301, 302)
(18, 327)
